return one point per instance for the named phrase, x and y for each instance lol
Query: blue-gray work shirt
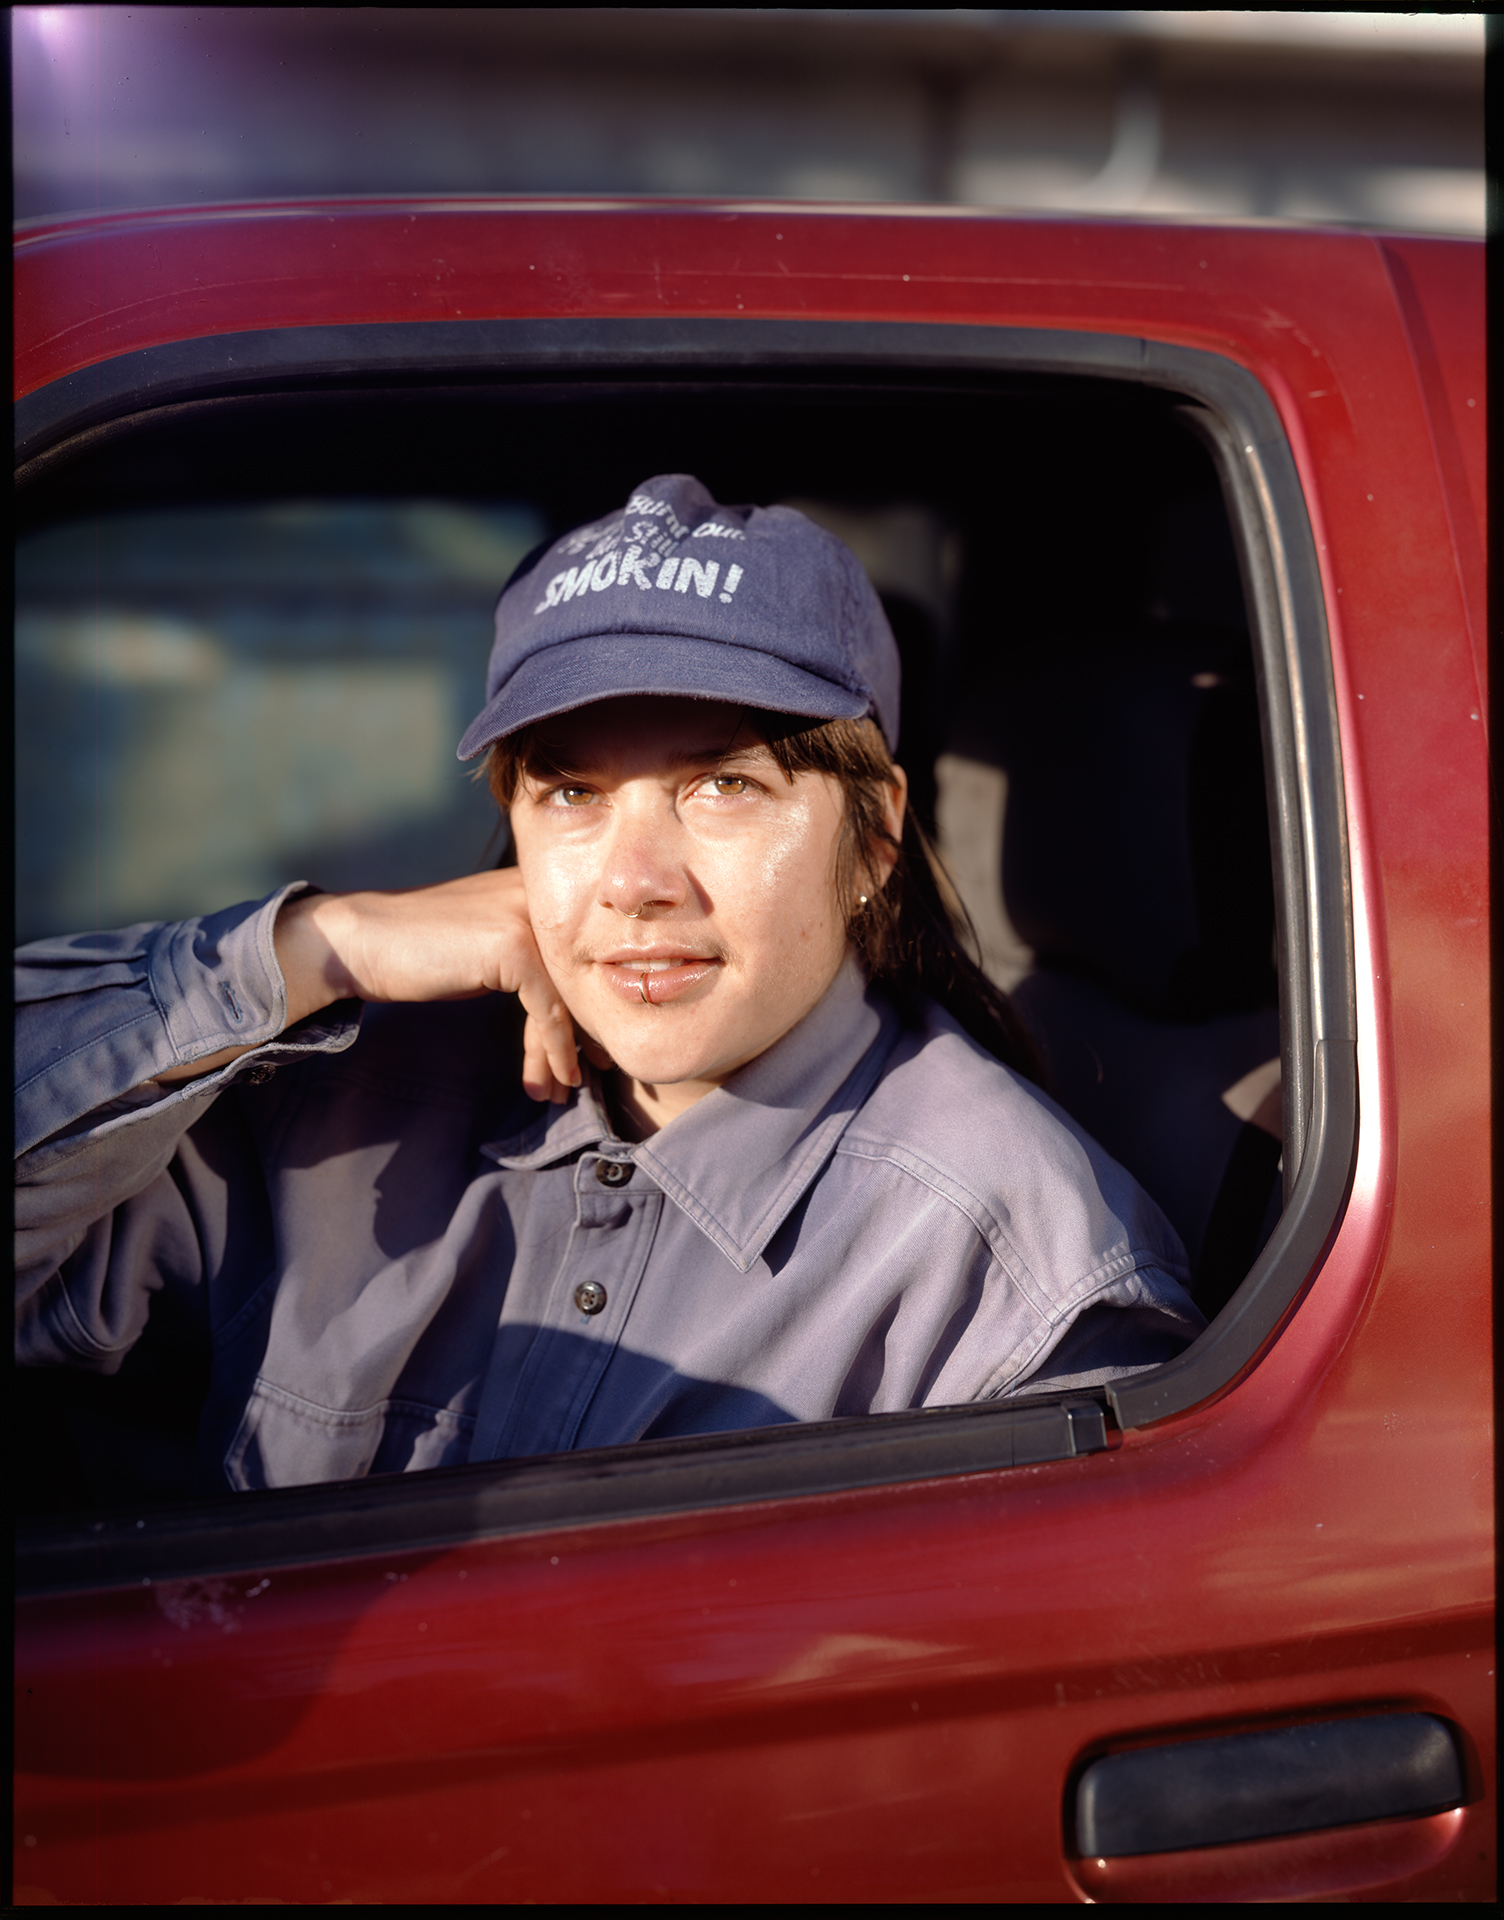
(399, 1261)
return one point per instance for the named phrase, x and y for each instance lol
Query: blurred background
(1367, 118)
(214, 698)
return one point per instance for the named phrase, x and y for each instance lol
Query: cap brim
(611, 666)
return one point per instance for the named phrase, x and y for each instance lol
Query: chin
(666, 1057)
(663, 1064)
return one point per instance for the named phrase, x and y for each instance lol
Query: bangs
(845, 749)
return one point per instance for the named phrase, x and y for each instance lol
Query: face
(680, 887)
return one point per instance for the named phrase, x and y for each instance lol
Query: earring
(861, 899)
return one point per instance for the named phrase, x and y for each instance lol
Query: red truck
(1205, 660)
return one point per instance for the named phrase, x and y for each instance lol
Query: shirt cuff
(102, 1014)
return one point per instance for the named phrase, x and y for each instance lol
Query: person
(697, 1117)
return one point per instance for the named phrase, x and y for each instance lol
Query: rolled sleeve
(99, 1015)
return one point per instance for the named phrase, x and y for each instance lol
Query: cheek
(559, 885)
(784, 887)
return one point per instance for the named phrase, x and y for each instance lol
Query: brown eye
(725, 786)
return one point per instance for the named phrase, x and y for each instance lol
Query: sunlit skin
(681, 890)
(673, 907)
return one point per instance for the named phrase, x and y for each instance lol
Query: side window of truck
(1117, 723)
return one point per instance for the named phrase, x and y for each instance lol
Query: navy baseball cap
(677, 594)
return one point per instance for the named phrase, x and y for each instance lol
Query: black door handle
(1251, 1786)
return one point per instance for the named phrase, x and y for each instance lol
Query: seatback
(1136, 866)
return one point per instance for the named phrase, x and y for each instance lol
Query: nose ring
(638, 914)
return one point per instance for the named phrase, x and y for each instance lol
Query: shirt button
(613, 1173)
(590, 1296)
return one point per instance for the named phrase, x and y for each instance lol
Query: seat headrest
(1136, 841)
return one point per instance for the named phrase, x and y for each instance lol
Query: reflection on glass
(212, 700)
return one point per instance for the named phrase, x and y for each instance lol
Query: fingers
(550, 1062)
(538, 1079)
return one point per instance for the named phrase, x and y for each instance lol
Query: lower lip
(664, 985)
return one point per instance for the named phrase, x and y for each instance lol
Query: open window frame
(59, 428)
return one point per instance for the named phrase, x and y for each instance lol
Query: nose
(643, 871)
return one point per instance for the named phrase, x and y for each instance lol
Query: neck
(638, 1110)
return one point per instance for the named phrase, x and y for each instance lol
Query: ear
(883, 857)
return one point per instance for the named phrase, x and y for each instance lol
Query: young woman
(763, 1150)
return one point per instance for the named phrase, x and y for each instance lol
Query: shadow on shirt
(102, 1443)
(548, 1390)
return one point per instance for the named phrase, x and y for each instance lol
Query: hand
(451, 942)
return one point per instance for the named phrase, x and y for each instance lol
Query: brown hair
(911, 934)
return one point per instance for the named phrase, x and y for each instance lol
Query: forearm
(454, 941)
(449, 942)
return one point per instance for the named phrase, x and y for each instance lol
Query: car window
(228, 681)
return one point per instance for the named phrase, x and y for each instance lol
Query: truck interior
(1083, 724)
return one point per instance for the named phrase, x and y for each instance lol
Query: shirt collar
(739, 1161)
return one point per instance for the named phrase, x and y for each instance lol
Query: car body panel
(882, 1694)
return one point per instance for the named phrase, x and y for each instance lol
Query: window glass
(218, 698)
(215, 699)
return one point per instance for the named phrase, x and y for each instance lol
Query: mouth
(655, 978)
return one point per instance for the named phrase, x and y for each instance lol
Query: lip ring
(649, 979)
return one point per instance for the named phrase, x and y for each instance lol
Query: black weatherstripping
(421, 353)
(1256, 1786)
(60, 426)
(429, 1511)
